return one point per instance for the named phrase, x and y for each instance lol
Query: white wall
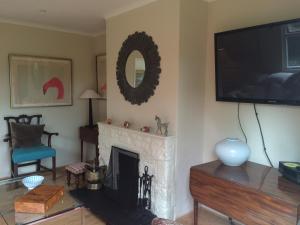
(99, 44)
(179, 28)
(280, 124)
(160, 20)
(193, 40)
(65, 120)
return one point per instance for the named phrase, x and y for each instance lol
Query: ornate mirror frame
(143, 43)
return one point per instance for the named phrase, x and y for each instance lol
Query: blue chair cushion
(21, 155)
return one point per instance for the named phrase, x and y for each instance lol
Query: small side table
(89, 135)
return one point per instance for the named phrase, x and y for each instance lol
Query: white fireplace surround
(156, 152)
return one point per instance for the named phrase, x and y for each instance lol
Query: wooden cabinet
(89, 135)
(78, 216)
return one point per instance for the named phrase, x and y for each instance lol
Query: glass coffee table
(12, 189)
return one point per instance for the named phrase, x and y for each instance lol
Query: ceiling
(76, 16)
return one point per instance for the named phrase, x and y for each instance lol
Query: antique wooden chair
(30, 155)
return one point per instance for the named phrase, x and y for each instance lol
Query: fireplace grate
(145, 184)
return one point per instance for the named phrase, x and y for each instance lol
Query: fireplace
(121, 183)
(116, 204)
(154, 151)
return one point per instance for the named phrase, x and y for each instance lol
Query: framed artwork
(40, 81)
(101, 75)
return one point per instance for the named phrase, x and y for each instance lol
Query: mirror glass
(135, 68)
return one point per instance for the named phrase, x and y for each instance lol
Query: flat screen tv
(259, 64)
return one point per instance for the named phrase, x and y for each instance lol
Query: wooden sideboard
(252, 194)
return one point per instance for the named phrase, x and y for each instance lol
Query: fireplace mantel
(155, 151)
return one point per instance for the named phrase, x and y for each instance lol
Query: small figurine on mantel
(161, 126)
(109, 121)
(145, 129)
(126, 124)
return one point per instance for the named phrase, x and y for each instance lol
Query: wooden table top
(257, 177)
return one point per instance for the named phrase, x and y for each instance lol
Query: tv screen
(259, 64)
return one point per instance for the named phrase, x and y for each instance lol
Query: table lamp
(90, 94)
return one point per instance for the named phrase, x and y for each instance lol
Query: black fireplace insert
(121, 182)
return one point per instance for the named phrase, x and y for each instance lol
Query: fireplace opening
(122, 178)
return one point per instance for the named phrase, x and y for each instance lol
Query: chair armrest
(49, 134)
(6, 139)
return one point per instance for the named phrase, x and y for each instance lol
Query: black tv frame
(245, 100)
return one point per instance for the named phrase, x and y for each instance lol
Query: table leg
(97, 155)
(195, 212)
(81, 153)
(77, 180)
(68, 178)
(230, 221)
(38, 166)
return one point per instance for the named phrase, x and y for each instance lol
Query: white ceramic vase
(232, 151)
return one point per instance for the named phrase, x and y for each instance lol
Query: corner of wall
(192, 67)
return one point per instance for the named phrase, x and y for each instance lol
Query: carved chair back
(25, 119)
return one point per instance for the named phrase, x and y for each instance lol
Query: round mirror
(138, 68)
(135, 69)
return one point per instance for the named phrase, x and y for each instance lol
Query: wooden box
(40, 199)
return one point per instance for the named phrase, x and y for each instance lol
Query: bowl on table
(32, 181)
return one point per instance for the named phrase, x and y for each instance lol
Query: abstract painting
(101, 75)
(40, 81)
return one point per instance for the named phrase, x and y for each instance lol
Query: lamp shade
(90, 93)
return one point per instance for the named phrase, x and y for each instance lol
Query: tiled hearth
(156, 152)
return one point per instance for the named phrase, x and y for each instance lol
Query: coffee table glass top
(12, 189)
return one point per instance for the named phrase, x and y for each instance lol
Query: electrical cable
(239, 119)
(262, 136)
(246, 140)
